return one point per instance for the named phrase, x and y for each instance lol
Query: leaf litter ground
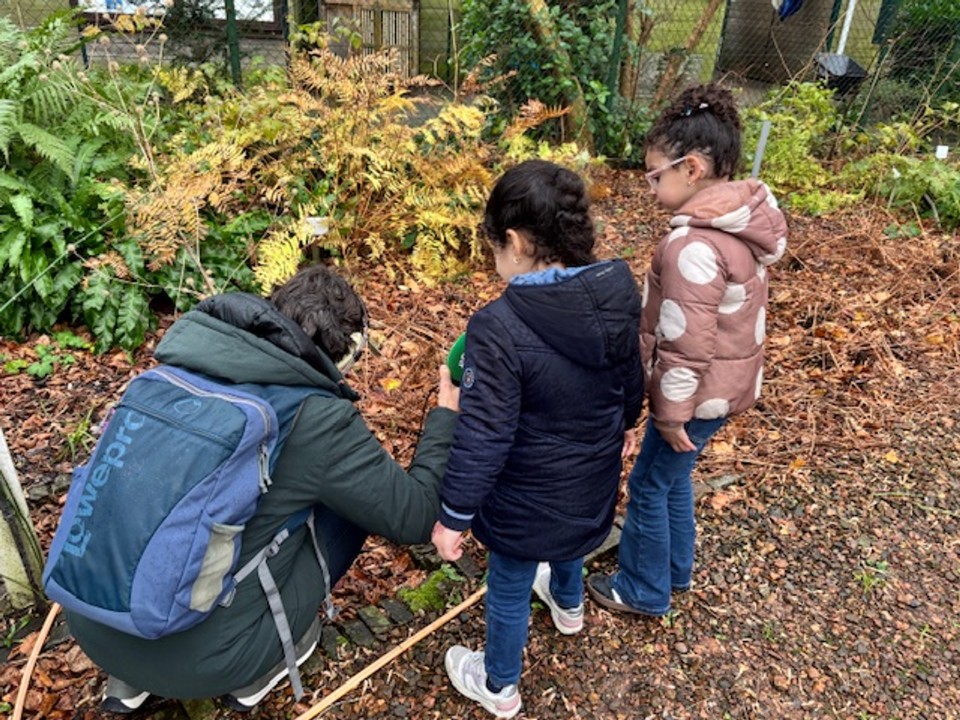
(828, 552)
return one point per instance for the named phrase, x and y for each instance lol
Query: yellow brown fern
(337, 138)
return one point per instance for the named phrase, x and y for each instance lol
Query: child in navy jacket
(551, 390)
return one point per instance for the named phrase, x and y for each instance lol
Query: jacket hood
(746, 209)
(243, 338)
(590, 315)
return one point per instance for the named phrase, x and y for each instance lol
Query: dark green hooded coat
(330, 459)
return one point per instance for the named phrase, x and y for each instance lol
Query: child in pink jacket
(702, 331)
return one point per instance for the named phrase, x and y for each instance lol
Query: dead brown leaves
(829, 530)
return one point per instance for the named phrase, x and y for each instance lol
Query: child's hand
(449, 394)
(629, 443)
(449, 543)
(675, 436)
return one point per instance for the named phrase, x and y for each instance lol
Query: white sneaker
(469, 677)
(246, 698)
(569, 621)
(119, 697)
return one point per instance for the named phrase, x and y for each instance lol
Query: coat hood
(243, 338)
(588, 314)
(746, 209)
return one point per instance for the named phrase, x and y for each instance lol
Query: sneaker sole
(554, 613)
(611, 604)
(251, 701)
(467, 693)
(123, 706)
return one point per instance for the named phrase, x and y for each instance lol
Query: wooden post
(639, 35)
(669, 77)
(21, 562)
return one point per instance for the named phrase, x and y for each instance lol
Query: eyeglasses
(653, 177)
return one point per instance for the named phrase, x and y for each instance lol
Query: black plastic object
(839, 72)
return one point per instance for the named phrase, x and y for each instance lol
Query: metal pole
(761, 148)
(834, 17)
(847, 22)
(233, 41)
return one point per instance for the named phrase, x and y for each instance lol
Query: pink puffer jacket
(705, 303)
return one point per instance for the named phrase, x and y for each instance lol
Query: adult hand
(675, 436)
(449, 543)
(629, 443)
(449, 394)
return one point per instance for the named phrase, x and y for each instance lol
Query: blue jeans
(509, 582)
(656, 546)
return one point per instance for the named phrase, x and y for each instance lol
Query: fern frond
(533, 113)
(113, 260)
(181, 82)
(279, 254)
(9, 111)
(48, 100)
(9, 182)
(23, 206)
(47, 146)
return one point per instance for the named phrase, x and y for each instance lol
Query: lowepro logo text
(112, 457)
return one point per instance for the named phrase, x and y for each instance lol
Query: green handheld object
(455, 359)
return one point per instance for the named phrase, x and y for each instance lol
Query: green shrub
(804, 122)
(926, 47)
(75, 141)
(523, 67)
(58, 208)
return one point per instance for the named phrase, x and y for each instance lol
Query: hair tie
(688, 109)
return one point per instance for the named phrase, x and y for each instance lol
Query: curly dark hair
(548, 204)
(324, 305)
(701, 119)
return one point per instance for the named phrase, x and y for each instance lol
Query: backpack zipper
(263, 461)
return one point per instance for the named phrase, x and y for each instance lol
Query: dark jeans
(509, 583)
(340, 540)
(656, 546)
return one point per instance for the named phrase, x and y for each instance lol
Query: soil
(828, 552)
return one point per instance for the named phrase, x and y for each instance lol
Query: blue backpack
(149, 538)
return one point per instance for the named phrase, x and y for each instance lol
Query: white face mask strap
(358, 342)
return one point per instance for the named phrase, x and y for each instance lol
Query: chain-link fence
(913, 45)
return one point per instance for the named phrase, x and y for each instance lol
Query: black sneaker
(118, 697)
(602, 591)
(246, 698)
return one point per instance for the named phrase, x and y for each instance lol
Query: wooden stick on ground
(32, 660)
(373, 667)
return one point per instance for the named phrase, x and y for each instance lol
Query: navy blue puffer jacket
(552, 380)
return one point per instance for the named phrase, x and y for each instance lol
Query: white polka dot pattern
(703, 347)
(678, 233)
(697, 263)
(760, 329)
(771, 259)
(712, 409)
(673, 323)
(679, 384)
(733, 222)
(734, 296)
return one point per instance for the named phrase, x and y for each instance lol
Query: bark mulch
(828, 553)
